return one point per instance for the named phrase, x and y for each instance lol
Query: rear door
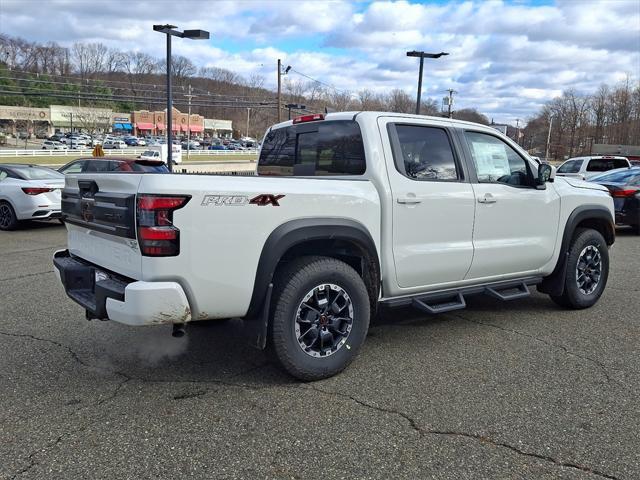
(99, 211)
(433, 203)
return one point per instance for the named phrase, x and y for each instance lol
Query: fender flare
(554, 283)
(298, 231)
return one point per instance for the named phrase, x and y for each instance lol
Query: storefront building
(80, 119)
(121, 122)
(218, 128)
(154, 123)
(25, 121)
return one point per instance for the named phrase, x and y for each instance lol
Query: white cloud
(506, 58)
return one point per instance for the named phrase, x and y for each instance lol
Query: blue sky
(506, 57)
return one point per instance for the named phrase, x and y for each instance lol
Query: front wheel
(320, 317)
(587, 270)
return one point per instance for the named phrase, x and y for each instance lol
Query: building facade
(44, 122)
(154, 123)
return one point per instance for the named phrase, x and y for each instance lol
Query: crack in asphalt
(471, 436)
(603, 368)
(411, 421)
(26, 275)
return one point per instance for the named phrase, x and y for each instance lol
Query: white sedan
(28, 192)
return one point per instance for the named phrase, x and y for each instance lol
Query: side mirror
(545, 172)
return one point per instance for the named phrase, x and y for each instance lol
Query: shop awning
(184, 128)
(196, 128)
(144, 126)
(127, 126)
(118, 126)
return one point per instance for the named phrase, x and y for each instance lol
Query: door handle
(409, 200)
(487, 198)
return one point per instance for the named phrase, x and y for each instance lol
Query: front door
(516, 224)
(433, 205)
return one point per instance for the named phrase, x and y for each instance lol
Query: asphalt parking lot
(520, 390)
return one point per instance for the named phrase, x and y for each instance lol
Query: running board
(454, 299)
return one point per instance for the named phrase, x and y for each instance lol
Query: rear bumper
(106, 295)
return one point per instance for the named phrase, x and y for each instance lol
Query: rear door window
(424, 153)
(324, 148)
(572, 166)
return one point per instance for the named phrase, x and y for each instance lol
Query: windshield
(628, 176)
(36, 173)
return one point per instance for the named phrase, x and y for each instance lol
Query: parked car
(624, 186)
(53, 145)
(305, 260)
(635, 163)
(587, 167)
(131, 141)
(28, 192)
(190, 145)
(217, 147)
(114, 144)
(111, 164)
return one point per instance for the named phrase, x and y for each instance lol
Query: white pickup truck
(347, 211)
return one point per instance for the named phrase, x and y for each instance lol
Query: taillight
(156, 234)
(36, 190)
(626, 193)
(308, 118)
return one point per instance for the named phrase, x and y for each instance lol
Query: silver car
(28, 192)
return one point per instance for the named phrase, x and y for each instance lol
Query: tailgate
(99, 211)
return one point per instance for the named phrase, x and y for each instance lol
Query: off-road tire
(10, 221)
(573, 297)
(291, 284)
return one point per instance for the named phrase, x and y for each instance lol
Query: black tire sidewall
(574, 297)
(14, 222)
(287, 349)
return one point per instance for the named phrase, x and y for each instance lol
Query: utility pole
(280, 74)
(248, 110)
(546, 152)
(451, 93)
(189, 96)
(518, 131)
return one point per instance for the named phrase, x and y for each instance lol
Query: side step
(509, 292)
(454, 299)
(440, 304)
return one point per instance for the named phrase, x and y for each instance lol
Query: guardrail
(123, 151)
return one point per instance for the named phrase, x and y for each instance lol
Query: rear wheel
(587, 270)
(320, 317)
(8, 219)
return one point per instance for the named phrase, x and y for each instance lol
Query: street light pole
(296, 106)
(169, 31)
(422, 56)
(169, 116)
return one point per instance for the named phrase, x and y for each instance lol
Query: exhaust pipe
(178, 330)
